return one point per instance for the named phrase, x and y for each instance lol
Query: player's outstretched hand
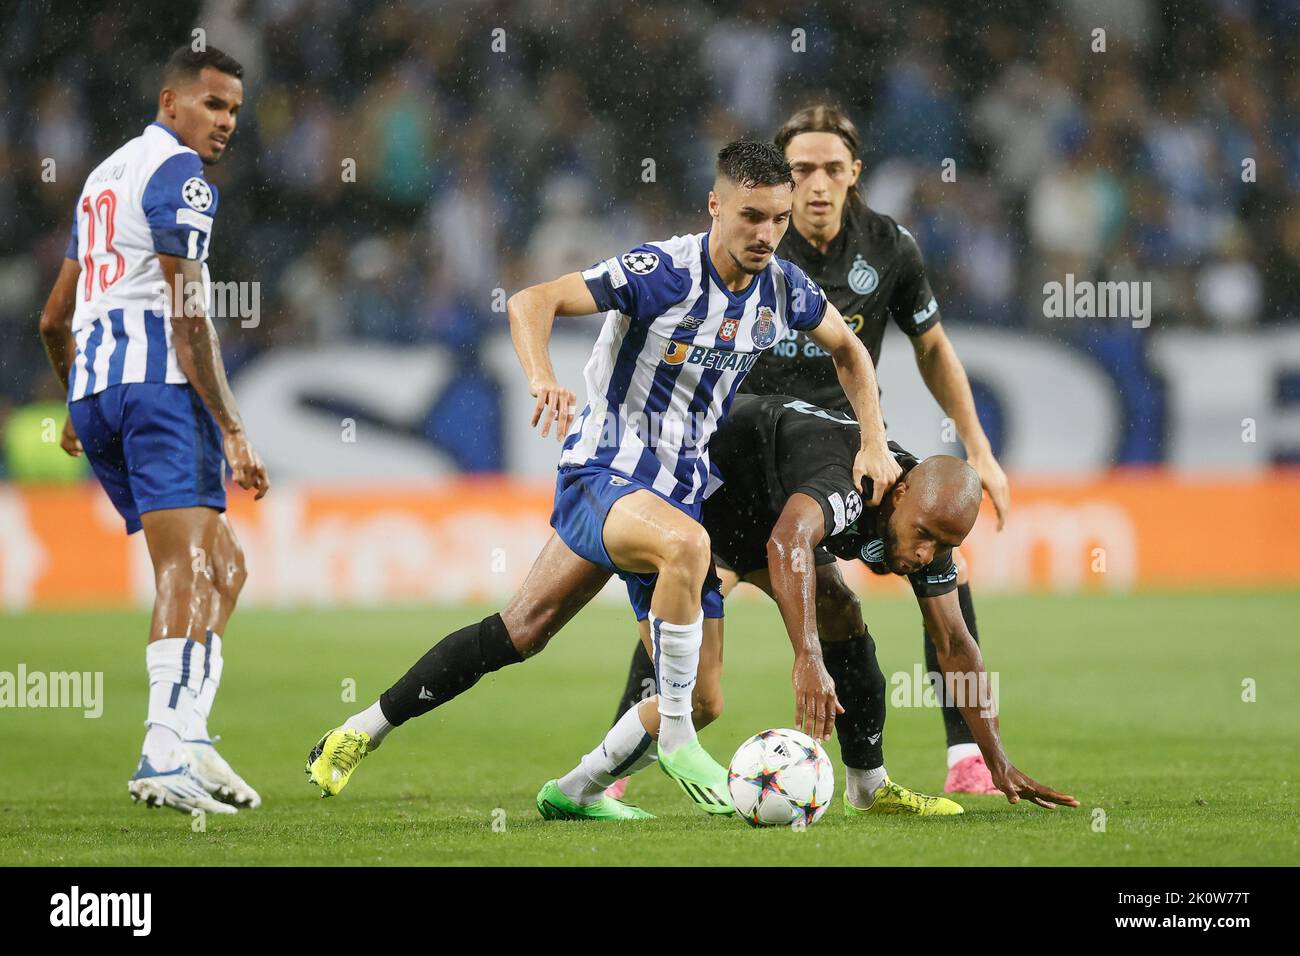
(554, 404)
(245, 464)
(1018, 786)
(879, 465)
(815, 703)
(69, 441)
(994, 480)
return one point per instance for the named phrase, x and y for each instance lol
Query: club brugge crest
(863, 279)
(729, 329)
(764, 328)
(873, 552)
(675, 352)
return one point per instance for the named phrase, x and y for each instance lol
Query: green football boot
(701, 777)
(552, 804)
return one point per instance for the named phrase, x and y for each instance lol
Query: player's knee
(530, 626)
(689, 551)
(181, 576)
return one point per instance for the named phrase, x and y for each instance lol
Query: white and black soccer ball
(781, 778)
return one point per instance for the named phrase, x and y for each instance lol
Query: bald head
(947, 492)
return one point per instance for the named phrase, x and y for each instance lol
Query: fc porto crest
(764, 328)
(729, 329)
(863, 278)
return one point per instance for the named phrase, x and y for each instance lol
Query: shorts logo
(617, 482)
(764, 328)
(873, 552)
(675, 352)
(641, 263)
(863, 279)
(196, 193)
(729, 329)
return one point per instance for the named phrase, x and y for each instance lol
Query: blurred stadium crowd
(479, 169)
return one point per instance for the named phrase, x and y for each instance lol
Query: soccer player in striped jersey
(685, 320)
(127, 332)
(871, 268)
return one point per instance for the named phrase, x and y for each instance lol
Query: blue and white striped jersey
(149, 196)
(674, 348)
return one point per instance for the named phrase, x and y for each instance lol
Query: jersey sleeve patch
(180, 206)
(640, 283)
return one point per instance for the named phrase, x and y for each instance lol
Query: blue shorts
(152, 446)
(583, 497)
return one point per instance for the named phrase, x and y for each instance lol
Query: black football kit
(872, 273)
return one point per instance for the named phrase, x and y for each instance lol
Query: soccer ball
(781, 778)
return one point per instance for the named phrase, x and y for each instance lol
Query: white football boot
(218, 777)
(178, 789)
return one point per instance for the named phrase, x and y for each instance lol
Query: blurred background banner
(474, 540)
(1106, 194)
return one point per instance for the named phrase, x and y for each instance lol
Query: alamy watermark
(229, 300)
(917, 688)
(74, 690)
(1085, 299)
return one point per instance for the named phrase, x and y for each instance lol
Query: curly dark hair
(747, 163)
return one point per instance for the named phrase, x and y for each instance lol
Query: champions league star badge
(764, 328)
(863, 279)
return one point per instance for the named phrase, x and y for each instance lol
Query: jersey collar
(166, 129)
(717, 279)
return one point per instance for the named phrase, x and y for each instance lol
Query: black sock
(860, 687)
(451, 667)
(641, 670)
(953, 723)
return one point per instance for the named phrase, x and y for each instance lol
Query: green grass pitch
(1134, 704)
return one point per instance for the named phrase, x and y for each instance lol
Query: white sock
(213, 665)
(863, 784)
(959, 752)
(677, 658)
(372, 721)
(175, 672)
(626, 749)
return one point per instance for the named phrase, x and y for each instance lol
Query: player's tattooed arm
(532, 313)
(56, 334)
(946, 379)
(966, 679)
(792, 575)
(199, 355)
(858, 378)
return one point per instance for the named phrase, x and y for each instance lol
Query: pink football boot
(970, 775)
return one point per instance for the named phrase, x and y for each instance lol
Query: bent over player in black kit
(788, 502)
(871, 268)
